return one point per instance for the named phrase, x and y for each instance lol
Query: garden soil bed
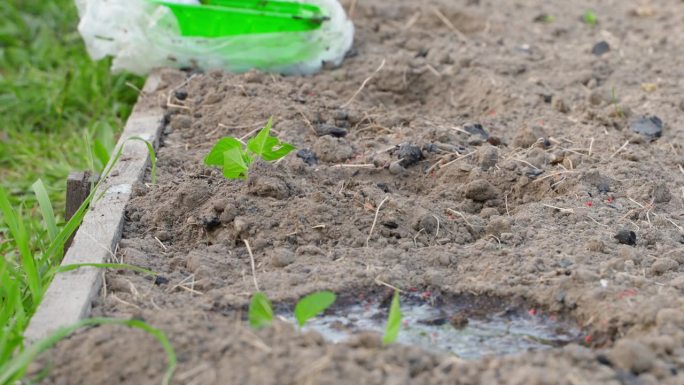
(520, 213)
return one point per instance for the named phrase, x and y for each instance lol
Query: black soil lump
(649, 126)
(626, 237)
(409, 154)
(308, 156)
(600, 48)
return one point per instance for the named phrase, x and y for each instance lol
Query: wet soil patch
(462, 326)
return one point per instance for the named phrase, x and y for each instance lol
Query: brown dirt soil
(528, 216)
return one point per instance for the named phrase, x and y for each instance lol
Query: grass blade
(45, 208)
(21, 240)
(124, 266)
(393, 321)
(16, 368)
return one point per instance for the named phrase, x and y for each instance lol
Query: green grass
(59, 112)
(55, 102)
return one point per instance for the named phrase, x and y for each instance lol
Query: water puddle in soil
(450, 327)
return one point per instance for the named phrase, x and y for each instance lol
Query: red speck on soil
(589, 204)
(532, 312)
(588, 339)
(627, 293)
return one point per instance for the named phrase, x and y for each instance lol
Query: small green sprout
(312, 305)
(229, 154)
(590, 18)
(618, 109)
(260, 311)
(393, 321)
(545, 18)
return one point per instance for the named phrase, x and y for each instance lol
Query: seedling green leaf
(235, 160)
(268, 147)
(393, 321)
(235, 163)
(260, 311)
(312, 305)
(215, 157)
(590, 18)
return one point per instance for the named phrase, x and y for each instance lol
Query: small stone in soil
(533, 172)
(476, 129)
(181, 94)
(600, 48)
(327, 129)
(308, 156)
(160, 280)
(458, 321)
(626, 237)
(604, 360)
(649, 126)
(409, 154)
(390, 224)
(211, 222)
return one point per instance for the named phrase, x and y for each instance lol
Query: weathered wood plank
(78, 186)
(69, 297)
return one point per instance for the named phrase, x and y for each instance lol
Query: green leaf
(45, 208)
(260, 311)
(393, 321)
(101, 152)
(268, 147)
(312, 305)
(235, 164)
(590, 18)
(123, 266)
(215, 156)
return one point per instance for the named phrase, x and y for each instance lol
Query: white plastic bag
(141, 36)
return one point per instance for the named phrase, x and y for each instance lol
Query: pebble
(395, 168)
(632, 355)
(600, 48)
(476, 129)
(179, 122)
(626, 237)
(240, 225)
(660, 193)
(649, 126)
(268, 186)
(528, 136)
(596, 246)
(181, 94)
(333, 150)
(282, 257)
(327, 129)
(663, 265)
(480, 191)
(560, 105)
(678, 282)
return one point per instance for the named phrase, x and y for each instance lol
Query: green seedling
(393, 321)
(312, 305)
(590, 18)
(235, 160)
(618, 109)
(260, 311)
